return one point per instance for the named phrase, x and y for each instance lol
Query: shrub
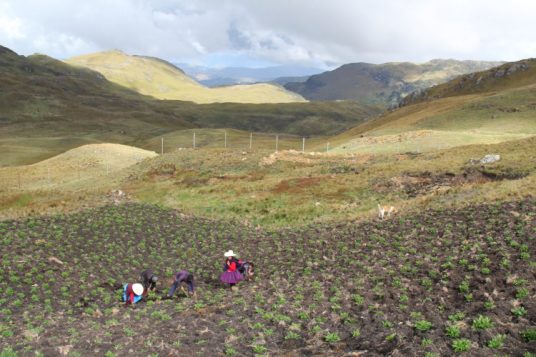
(482, 323)
(522, 293)
(518, 311)
(529, 335)
(8, 352)
(423, 325)
(259, 349)
(292, 336)
(497, 341)
(457, 316)
(452, 331)
(461, 345)
(332, 337)
(358, 299)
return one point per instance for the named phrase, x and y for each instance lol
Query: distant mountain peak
(382, 84)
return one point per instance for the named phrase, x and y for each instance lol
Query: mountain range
(382, 84)
(215, 77)
(163, 80)
(48, 106)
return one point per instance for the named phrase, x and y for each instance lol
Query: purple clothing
(231, 277)
(182, 276)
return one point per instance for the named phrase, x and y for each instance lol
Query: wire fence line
(232, 140)
(59, 176)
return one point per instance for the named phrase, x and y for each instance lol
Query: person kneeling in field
(246, 268)
(148, 280)
(182, 277)
(132, 293)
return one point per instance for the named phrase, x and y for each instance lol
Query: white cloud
(281, 31)
(10, 26)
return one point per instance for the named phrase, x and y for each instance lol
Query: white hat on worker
(229, 253)
(137, 288)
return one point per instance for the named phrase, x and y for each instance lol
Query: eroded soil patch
(423, 183)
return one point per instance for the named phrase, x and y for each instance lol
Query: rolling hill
(162, 80)
(48, 107)
(382, 84)
(506, 76)
(485, 107)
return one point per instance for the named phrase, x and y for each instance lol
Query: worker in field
(231, 275)
(148, 281)
(132, 293)
(182, 278)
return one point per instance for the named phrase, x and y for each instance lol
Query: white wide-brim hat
(138, 289)
(229, 253)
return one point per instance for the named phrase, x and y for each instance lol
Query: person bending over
(182, 278)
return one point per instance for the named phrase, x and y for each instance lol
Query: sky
(258, 33)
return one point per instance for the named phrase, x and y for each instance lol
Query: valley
(109, 168)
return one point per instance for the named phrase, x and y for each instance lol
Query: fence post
(303, 145)
(250, 140)
(225, 134)
(194, 139)
(162, 148)
(18, 175)
(327, 147)
(276, 142)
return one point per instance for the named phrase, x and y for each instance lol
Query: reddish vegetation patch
(296, 185)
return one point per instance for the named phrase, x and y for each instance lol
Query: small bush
(519, 311)
(529, 335)
(8, 352)
(497, 341)
(452, 331)
(423, 325)
(482, 322)
(461, 345)
(332, 337)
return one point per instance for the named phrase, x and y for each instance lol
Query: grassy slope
(48, 107)
(232, 183)
(293, 190)
(477, 108)
(162, 80)
(507, 76)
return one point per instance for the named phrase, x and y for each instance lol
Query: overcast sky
(264, 32)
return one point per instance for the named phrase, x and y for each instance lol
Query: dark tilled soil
(370, 289)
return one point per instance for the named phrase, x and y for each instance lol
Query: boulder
(490, 158)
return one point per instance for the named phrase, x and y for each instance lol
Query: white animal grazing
(382, 210)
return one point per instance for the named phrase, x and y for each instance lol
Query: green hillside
(48, 107)
(382, 84)
(507, 76)
(484, 107)
(162, 80)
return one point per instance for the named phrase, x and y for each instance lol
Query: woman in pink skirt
(231, 275)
